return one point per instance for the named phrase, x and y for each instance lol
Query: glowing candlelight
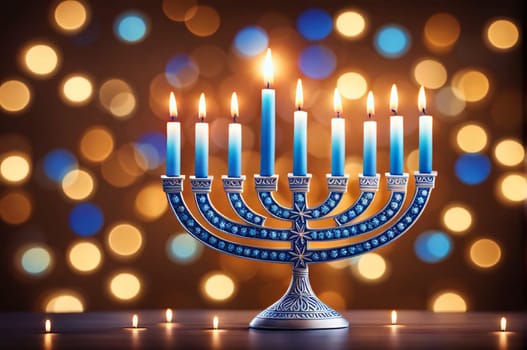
(370, 140)
(135, 321)
(47, 326)
(396, 136)
(169, 315)
(338, 138)
(201, 157)
(215, 322)
(503, 324)
(300, 134)
(267, 134)
(425, 135)
(172, 106)
(268, 71)
(202, 108)
(394, 317)
(234, 106)
(394, 100)
(173, 162)
(421, 100)
(235, 141)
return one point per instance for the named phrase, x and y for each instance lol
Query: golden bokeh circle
(350, 24)
(96, 144)
(449, 301)
(41, 60)
(78, 184)
(125, 240)
(457, 218)
(512, 188)
(472, 138)
(502, 34)
(150, 203)
(180, 10)
(15, 167)
(76, 89)
(509, 152)
(441, 32)
(470, 85)
(84, 256)
(70, 16)
(430, 73)
(205, 22)
(14, 96)
(352, 85)
(485, 253)
(125, 286)
(15, 207)
(218, 287)
(64, 301)
(371, 266)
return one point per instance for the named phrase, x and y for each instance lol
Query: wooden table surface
(192, 330)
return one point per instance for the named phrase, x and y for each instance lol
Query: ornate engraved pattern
(273, 207)
(337, 183)
(266, 183)
(356, 208)
(242, 209)
(172, 184)
(299, 183)
(397, 183)
(200, 185)
(369, 183)
(425, 180)
(233, 184)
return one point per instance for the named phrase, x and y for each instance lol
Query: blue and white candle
(173, 160)
(370, 141)
(267, 141)
(235, 141)
(396, 136)
(300, 134)
(425, 135)
(338, 138)
(201, 157)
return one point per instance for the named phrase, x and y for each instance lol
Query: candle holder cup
(300, 308)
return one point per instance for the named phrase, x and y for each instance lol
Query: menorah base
(299, 308)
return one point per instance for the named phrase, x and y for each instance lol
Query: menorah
(299, 307)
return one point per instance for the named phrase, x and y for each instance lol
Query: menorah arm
(265, 186)
(424, 185)
(233, 187)
(337, 186)
(173, 186)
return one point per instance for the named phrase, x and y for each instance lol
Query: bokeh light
(512, 188)
(350, 24)
(151, 148)
(392, 41)
(432, 246)
(441, 32)
(118, 98)
(314, 24)
(125, 286)
(485, 253)
(150, 203)
(218, 286)
(251, 41)
(448, 103)
(15, 167)
(205, 21)
(76, 89)
(509, 152)
(14, 96)
(125, 240)
(96, 144)
(58, 163)
(15, 207)
(430, 73)
(471, 138)
(41, 60)
(86, 219)
(179, 10)
(472, 168)
(84, 256)
(183, 249)
(457, 218)
(131, 27)
(470, 85)
(70, 16)
(371, 267)
(317, 61)
(181, 71)
(35, 260)
(78, 184)
(64, 302)
(449, 301)
(502, 34)
(352, 85)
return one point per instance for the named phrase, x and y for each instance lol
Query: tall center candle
(396, 136)
(235, 141)
(173, 162)
(338, 138)
(300, 134)
(370, 141)
(425, 135)
(201, 157)
(267, 134)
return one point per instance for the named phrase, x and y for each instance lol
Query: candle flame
(268, 69)
(394, 100)
(169, 315)
(421, 100)
(299, 100)
(337, 102)
(215, 322)
(135, 321)
(370, 105)
(202, 110)
(394, 317)
(234, 105)
(503, 324)
(47, 326)
(172, 106)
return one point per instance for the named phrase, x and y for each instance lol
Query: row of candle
(267, 147)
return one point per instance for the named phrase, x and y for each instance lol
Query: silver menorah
(299, 307)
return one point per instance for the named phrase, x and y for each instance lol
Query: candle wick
(268, 85)
(299, 108)
(423, 111)
(369, 115)
(234, 118)
(201, 118)
(172, 118)
(394, 112)
(338, 114)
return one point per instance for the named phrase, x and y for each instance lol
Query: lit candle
(47, 326)
(235, 141)
(135, 321)
(201, 158)
(173, 163)
(267, 141)
(169, 315)
(396, 136)
(338, 138)
(215, 322)
(394, 317)
(370, 140)
(503, 324)
(425, 135)
(300, 134)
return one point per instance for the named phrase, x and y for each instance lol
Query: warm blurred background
(84, 91)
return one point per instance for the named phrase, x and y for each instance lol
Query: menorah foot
(299, 308)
